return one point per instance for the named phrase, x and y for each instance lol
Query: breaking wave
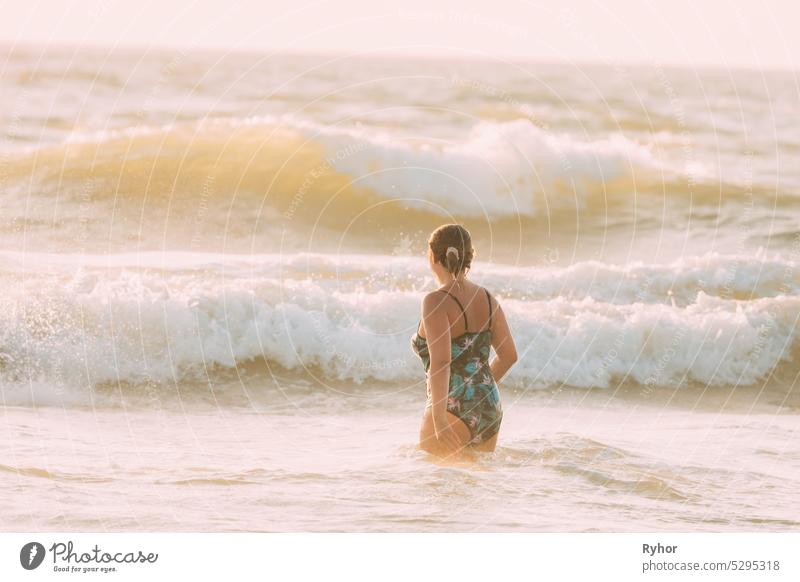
(77, 320)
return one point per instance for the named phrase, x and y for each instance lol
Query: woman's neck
(453, 281)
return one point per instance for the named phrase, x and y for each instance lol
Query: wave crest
(137, 323)
(311, 172)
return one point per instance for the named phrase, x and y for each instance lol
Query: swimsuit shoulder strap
(489, 299)
(463, 312)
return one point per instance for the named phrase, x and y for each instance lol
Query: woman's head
(450, 250)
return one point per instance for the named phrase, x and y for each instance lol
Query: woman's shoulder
(490, 297)
(433, 300)
(435, 294)
(481, 290)
(440, 300)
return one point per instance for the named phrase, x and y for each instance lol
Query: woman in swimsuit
(460, 324)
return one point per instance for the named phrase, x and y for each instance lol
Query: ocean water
(211, 266)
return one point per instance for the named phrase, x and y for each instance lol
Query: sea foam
(129, 318)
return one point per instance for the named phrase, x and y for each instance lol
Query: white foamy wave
(127, 319)
(678, 282)
(713, 342)
(498, 169)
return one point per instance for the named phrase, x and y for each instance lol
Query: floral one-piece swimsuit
(473, 394)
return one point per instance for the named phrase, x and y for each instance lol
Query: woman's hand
(445, 434)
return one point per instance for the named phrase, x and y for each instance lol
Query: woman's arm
(503, 344)
(437, 334)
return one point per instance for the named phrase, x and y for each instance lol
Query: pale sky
(734, 33)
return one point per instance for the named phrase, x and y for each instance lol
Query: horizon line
(337, 54)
